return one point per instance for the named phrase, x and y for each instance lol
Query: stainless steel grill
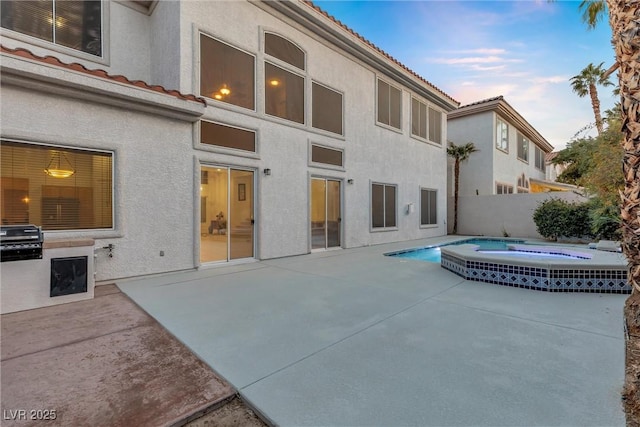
(20, 242)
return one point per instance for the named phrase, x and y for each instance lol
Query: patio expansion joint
(343, 339)
(511, 316)
(143, 324)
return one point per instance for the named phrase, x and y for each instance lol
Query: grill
(20, 242)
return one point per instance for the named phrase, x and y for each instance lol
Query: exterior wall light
(350, 181)
(267, 172)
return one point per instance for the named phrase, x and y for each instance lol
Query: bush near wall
(556, 217)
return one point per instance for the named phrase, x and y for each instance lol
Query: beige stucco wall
(157, 159)
(493, 215)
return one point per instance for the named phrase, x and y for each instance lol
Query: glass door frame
(228, 168)
(325, 178)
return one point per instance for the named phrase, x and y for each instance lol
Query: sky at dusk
(524, 50)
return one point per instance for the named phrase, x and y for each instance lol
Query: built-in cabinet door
(325, 213)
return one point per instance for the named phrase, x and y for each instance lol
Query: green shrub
(605, 220)
(556, 217)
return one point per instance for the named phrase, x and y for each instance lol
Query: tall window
(383, 205)
(284, 96)
(226, 73)
(69, 23)
(539, 159)
(428, 207)
(418, 118)
(284, 84)
(435, 126)
(326, 109)
(389, 104)
(56, 188)
(502, 135)
(523, 148)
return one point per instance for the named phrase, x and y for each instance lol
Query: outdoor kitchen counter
(64, 274)
(67, 243)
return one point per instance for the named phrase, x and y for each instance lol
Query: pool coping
(603, 272)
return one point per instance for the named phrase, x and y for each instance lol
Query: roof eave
(503, 108)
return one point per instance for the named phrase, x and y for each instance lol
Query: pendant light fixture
(59, 166)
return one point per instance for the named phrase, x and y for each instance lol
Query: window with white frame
(502, 135)
(227, 74)
(326, 155)
(284, 84)
(539, 163)
(75, 24)
(227, 136)
(57, 188)
(326, 109)
(389, 104)
(428, 206)
(523, 148)
(435, 126)
(504, 188)
(383, 205)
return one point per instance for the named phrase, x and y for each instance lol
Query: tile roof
(382, 52)
(495, 98)
(52, 60)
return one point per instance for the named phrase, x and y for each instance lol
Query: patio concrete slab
(354, 338)
(100, 362)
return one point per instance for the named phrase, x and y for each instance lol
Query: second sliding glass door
(325, 213)
(226, 214)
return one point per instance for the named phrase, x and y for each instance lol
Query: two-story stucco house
(511, 156)
(193, 133)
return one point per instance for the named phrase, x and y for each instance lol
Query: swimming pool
(433, 253)
(514, 263)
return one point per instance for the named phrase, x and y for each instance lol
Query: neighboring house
(301, 135)
(511, 152)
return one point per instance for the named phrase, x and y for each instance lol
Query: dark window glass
(377, 205)
(284, 94)
(418, 118)
(428, 207)
(435, 126)
(226, 136)
(389, 206)
(523, 148)
(389, 104)
(327, 109)
(226, 73)
(56, 188)
(539, 159)
(284, 50)
(326, 155)
(383, 205)
(383, 102)
(70, 23)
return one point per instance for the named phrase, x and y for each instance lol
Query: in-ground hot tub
(545, 268)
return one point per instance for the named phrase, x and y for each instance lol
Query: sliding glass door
(325, 213)
(226, 214)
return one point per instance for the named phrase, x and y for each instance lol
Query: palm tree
(460, 153)
(625, 30)
(585, 84)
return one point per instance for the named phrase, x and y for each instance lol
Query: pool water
(537, 255)
(432, 254)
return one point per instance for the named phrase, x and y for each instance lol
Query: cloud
(551, 79)
(490, 68)
(481, 51)
(473, 60)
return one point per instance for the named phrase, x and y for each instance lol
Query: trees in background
(459, 153)
(586, 83)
